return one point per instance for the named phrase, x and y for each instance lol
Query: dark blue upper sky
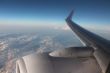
(87, 12)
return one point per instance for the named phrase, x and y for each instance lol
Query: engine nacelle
(74, 52)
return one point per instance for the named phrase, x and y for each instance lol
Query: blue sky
(37, 12)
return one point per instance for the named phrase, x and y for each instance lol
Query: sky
(53, 12)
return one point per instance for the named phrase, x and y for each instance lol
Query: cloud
(65, 27)
(3, 46)
(62, 27)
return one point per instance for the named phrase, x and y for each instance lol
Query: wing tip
(70, 15)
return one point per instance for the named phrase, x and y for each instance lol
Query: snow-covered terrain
(16, 45)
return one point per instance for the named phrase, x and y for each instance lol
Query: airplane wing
(94, 57)
(87, 37)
